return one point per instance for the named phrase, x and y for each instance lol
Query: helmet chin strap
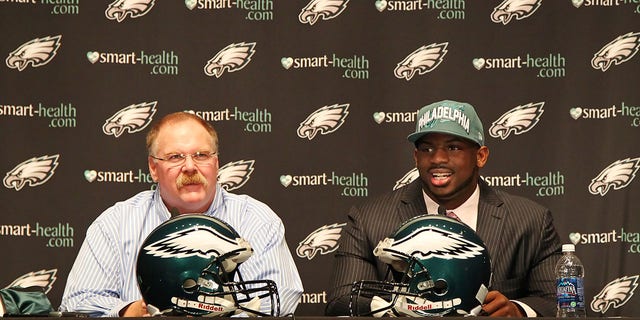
(155, 312)
(378, 303)
(253, 304)
(216, 306)
(401, 306)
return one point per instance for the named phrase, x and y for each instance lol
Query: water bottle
(570, 284)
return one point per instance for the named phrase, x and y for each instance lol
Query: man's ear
(153, 168)
(482, 156)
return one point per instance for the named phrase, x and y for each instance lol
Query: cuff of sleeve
(530, 313)
(115, 312)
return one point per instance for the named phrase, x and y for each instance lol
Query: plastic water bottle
(570, 284)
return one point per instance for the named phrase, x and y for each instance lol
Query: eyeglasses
(177, 159)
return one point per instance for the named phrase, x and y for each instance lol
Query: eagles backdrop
(313, 101)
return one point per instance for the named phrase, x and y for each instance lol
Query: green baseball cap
(449, 117)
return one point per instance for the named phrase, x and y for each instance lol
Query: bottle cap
(568, 248)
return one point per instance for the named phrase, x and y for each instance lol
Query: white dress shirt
(102, 280)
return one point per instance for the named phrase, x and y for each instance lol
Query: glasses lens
(201, 157)
(175, 158)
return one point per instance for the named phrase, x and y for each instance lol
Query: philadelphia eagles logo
(413, 174)
(619, 50)
(43, 279)
(323, 240)
(131, 119)
(615, 294)
(33, 172)
(234, 175)
(422, 60)
(617, 176)
(517, 120)
(232, 58)
(518, 9)
(36, 53)
(120, 9)
(324, 121)
(201, 241)
(428, 242)
(321, 9)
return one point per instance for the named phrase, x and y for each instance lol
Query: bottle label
(570, 292)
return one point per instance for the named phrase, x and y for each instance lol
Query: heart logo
(577, 3)
(90, 175)
(574, 237)
(381, 5)
(285, 180)
(575, 113)
(378, 117)
(190, 4)
(478, 63)
(93, 56)
(287, 62)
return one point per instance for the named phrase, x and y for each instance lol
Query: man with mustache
(519, 234)
(183, 160)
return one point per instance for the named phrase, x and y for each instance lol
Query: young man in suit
(519, 234)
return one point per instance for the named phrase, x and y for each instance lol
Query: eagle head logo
(422, 60)
(324, 121)
(234, 175)
(617, 176)
(517, 120)
(43, 279)
(619, 50)
(323, 240)
(36, 52)
(120, 9)
(33, 172)
(232, 58)
(131, 119)
(615, 294)
(321, 9)
(413, 174)
(518, 9)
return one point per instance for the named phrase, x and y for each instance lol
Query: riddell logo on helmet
(210, 307)
(415, 307)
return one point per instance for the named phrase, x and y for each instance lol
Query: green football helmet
(439, 267)
(188, 265)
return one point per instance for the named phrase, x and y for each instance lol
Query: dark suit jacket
(519, 234)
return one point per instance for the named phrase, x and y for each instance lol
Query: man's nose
(440, 155)
(189, 164)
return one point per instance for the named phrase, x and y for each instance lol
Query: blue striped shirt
(102, 280)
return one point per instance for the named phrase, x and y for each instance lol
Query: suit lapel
(491, 217)
(412, 202)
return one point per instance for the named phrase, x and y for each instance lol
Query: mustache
(196, 178)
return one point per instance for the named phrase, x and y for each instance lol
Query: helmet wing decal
(428, 242)
(202, 241)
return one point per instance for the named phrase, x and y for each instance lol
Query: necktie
(450, 214)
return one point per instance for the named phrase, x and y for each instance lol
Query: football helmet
(439, 267)
(188, 265)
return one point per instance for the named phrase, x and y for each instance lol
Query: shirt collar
(467, 211)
